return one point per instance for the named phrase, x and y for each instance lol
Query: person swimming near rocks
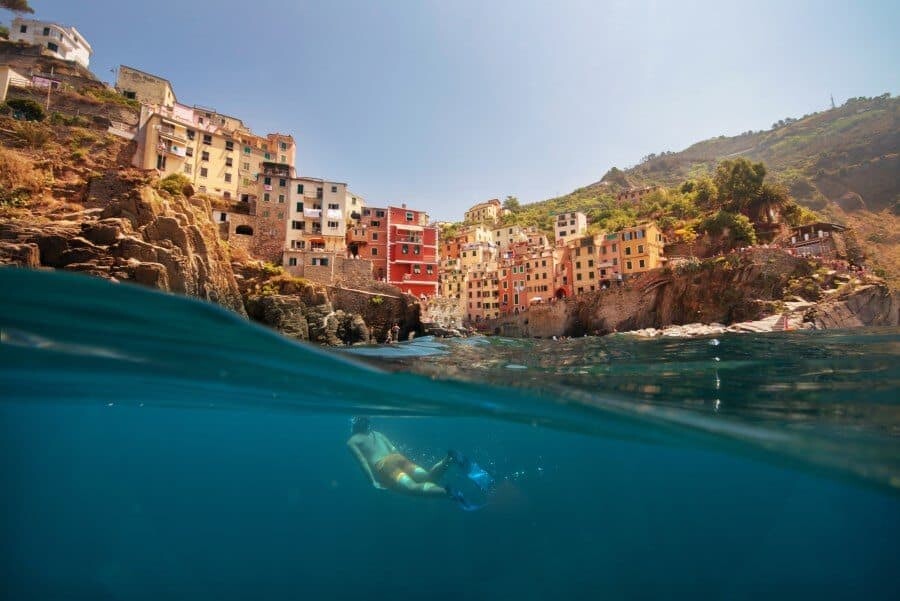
(389, 469)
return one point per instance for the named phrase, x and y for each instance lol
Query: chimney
(403, 205)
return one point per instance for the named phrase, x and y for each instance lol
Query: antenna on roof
(832, 101)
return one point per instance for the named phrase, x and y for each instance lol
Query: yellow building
(640, 249)
(490, 210)
(476, 253)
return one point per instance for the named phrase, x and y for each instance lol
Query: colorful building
(567, 226)
(412, 257)
(488, 211)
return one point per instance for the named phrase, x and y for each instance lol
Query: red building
(369, 240)
(412, 257)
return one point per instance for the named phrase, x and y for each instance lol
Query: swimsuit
(390, 468)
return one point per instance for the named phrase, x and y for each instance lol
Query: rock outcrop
(867, 305)
(753, 291)
(129, 231)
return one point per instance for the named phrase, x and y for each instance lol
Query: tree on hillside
(4, 32)
(17, 6)
(511, 203)
(768, 203)
(704, 192)
(738, 181)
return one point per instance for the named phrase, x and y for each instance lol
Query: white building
(62, 42)
(569, 225)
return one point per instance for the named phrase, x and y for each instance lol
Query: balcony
(173, 149)
(169, 132)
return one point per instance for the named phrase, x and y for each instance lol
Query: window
(334, 189)
(590, 275)
(429, 269)
(299, 188)
(191, 133)
(628, 265)
(266, 196)
(207, 139)
(204, 172)
(23, 29)
(223, 216)
(131, 95)
(374, 235)
(405, 249)
(246, 150)
(229, 145)
(577, 264)
(379, 213)
(299, 207)
(228, 162)
(227, 177)
(301, 244)
(189, 152)
(298, 225)
(160, 161)
(417, 269)
(244, 230)
(334, 205)
(267, 181)
(416, 249)
(281, 198)
(374, 252)
(246, 181)
(187, 167)
(333, 224)
(52, 47)
(375, 223)
(578, 276)
(409, 216)
(292, 261)
(627, 250)
(640, 249)
(319, 192)
(284, 145)
(615, 262)
(267, 156)
(46, 31)
(245, 166)
(204, 156)
(323, 261)
(590, 262)
(266, 213)
(641, 263)
(614, 246)
(282, 183)
(280, 215)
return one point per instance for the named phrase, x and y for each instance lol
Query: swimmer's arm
(388, 443)
(365, 464)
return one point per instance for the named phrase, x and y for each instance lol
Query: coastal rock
(284, 313)
(130, 232)
(868, 305)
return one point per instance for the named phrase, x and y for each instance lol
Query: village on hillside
(323, 231)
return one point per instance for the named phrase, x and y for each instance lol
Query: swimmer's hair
(360, 425)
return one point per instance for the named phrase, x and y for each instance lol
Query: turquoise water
(156, 447)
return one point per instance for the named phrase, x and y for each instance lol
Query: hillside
(842, 163)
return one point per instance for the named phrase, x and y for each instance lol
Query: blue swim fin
(481, 478)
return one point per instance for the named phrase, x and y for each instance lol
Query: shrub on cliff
(29, 109)
(18, 179)
(174, 184)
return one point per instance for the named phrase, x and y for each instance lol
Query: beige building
(505, 237)
(567, 226)
(144, 87)
(319, 211)
(488, 211)
(10, 77)
(477, 253)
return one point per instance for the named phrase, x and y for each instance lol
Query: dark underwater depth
(155, 447)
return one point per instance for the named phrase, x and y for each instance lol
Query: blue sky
(441, 104)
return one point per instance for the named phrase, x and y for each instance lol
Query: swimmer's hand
(377, 485)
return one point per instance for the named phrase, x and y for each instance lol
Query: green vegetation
(28, 109)
(174, 184)
(19, 181)
(33, 135)
(57, 118)
(4, 32)
(17, 6)
(111, 96)
(735, 228)
(377, 300)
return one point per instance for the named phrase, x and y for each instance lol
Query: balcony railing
(169, 132)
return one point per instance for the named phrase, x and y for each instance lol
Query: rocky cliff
(124, 229)
(733, 288)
